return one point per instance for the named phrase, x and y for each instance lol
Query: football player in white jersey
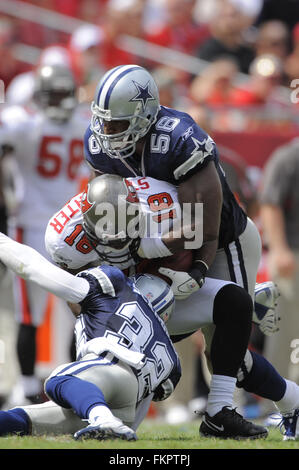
(45, 139)
(71, 243)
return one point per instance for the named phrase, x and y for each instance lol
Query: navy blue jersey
(115, 309)
(175, 149)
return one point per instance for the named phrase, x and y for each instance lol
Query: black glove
(163, 391)
(199, 271)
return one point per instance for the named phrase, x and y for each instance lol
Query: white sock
(290, 399)
(100, 413)
(221, 394)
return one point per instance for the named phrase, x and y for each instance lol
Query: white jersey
(21, 89)
(68, 245)
(49, 157)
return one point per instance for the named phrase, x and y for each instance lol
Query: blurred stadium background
(232, 64)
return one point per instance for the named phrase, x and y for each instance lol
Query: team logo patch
(132, 194)
(143, 94)
(203, 148)
(85, 204)
(149, 296)
(187, 133)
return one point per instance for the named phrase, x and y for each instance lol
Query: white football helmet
(55, 91)
(157, 292)
(127, 93)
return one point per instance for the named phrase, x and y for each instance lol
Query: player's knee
(233, 305)
(54, 389)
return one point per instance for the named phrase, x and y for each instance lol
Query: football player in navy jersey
(124, 354)
(132, 135)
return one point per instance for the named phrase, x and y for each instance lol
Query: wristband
(206, 267)
(199, 271)
(153, 248)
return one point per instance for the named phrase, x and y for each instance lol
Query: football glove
(270, 323)
(163, 391)
(199, 271)
(182, 285)
(265, 313)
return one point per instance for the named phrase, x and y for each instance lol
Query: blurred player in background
(280, 217)
(45, 139)
(21, 88)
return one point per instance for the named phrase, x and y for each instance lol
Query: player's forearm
(274, 227)
(186, 235)
(206, 253)
(204, 188)
(30, 265)
(183, 236)
(200, 200)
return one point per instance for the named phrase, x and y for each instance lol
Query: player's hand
(163, 391)
(182, 285)
(282, 263)
(199, 273)
(270, 322)
(265, 313)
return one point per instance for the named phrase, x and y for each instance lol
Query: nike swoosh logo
(214, 426)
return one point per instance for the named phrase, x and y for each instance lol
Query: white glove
(265, 313)
(182, 285)
(270, 322)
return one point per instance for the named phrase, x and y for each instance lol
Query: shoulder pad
(110, 278)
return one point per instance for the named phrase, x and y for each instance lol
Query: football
(181, 261)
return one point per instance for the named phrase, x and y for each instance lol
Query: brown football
(181, 261)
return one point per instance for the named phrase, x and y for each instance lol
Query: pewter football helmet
(127, 93)
(157, 292)
(110, 209)
(54, 91)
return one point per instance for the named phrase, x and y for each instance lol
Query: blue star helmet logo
(143, 94)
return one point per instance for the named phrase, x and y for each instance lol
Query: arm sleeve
(30, 265)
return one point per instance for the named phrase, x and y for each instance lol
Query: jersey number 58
(50, 163)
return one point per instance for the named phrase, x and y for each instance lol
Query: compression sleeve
(32, 266)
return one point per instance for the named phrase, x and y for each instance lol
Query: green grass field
(152, 435)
